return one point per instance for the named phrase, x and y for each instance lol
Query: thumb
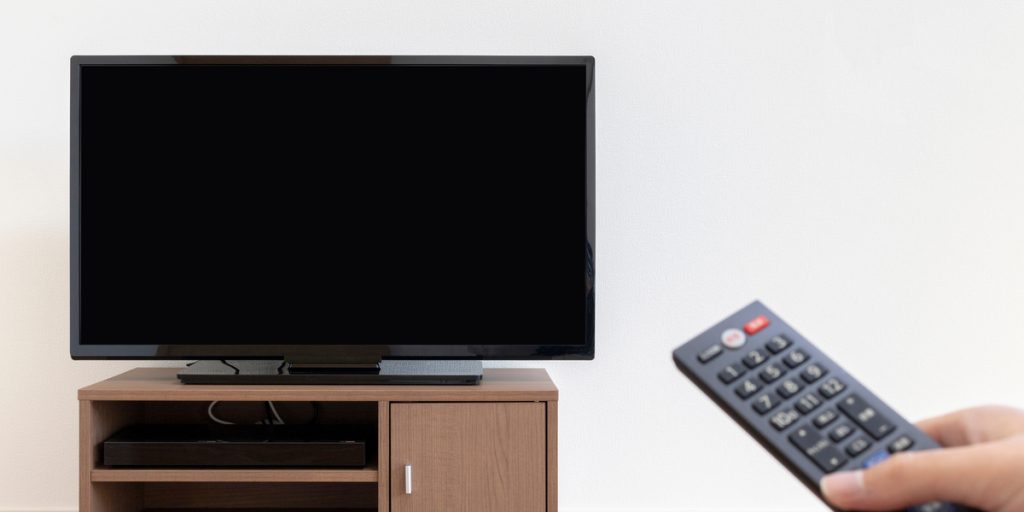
(955, 475)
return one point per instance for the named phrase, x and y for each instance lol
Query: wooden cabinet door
(469, 457)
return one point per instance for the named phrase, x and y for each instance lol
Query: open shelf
(326, 414)
(368, 474)
(234, 496)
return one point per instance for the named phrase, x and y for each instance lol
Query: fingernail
(843, 485)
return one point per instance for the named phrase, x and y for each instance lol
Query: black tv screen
(241, 207)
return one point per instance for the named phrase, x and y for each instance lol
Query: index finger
(974, 425)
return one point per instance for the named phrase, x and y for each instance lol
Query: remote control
(812, 415)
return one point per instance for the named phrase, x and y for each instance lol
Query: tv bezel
(581, 351)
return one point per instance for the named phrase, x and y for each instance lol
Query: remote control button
(858, 446)
(733, 338)
(777, 344)
(822, 452)
(731, 373)
(841, 432)
(808, 403)
(829, 459)
(771, 373)
(747, 387)
(766, 402)
(865, 416)
(901, 443)
(783, 419)
(710, 353)
(875, 459)
(935, 506)
(795, 358)
(754, 358)
(755, 325)
(812, 373)
(806, 438)
(789, 388)
(832, 387)
(824, 418)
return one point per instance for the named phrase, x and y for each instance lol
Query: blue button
(875, 458)
(934, 506)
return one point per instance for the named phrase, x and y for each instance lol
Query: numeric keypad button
(731, 372)
(808, 403)
(832, 387)
(812, 373)
(754, 358)
(747, 388)
(795, 358)
(783, 419)
(772, 373)
(789, 387)
(777, 344)
(766, 402)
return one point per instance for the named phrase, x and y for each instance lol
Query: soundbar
(238, 446)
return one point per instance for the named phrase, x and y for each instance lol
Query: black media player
(238, 446)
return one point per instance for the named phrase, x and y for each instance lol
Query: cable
(316, 413)
(277, 417)
(233, 367)
(209, 412)
(273, 418)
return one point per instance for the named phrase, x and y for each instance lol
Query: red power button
(756, 324)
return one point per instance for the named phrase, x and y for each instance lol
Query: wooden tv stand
(491, 447)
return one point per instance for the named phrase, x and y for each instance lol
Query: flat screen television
(329, 208)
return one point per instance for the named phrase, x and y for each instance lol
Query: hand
(981, 466)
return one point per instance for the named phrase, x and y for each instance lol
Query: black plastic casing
(705, 376)
(583, 350)
(324, 446)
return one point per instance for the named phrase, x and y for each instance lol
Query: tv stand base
(388, 371)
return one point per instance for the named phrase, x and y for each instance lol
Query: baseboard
(564, 509)
(2, 509)
(7, 509)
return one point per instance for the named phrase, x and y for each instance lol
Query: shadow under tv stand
(283, 372)
(491, 447)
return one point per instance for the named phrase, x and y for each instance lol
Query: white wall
(859, 166)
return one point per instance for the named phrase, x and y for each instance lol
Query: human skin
(981, 465)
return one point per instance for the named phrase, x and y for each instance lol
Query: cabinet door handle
(408, 478)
